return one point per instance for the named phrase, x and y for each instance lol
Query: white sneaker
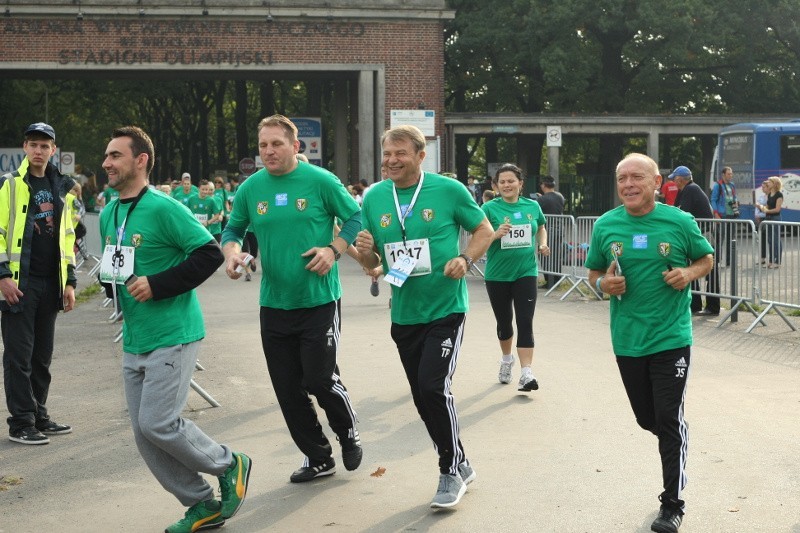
(527, 383)
(505, 371)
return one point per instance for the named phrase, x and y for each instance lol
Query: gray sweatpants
(175, 449)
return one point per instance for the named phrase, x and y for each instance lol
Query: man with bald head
(645, 254)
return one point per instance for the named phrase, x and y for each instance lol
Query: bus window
(790, 151)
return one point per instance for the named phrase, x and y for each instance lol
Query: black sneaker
(253, 264)
(28, 435)
(50, 427)
(351, 450)
(668, 520)
(307, 473)
(374, 289)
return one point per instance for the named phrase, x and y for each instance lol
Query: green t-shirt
(216, 227)
(518, 259)
(163, 234)
(202, 206)
(109, 194)
(289, 215)
(182, 196)
(442, 208)
(222, 196)
(651, 316)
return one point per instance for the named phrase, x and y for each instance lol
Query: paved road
(567, 458)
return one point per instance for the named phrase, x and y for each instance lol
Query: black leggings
(522, 294)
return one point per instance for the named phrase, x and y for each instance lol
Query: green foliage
(623, 56)
(192, 122)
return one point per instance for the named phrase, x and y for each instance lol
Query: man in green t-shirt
(159, 254)
(412, 223)
(215, 222)
(186, 189)
(645, 255)
(105, 197)
(290, 206)
(204, 207)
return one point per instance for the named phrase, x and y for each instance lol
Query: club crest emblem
(664, 248)
(616, 249)
(506, 220)
(427, 215)
(386, 220)
(530, 217)
(108, 239)
(136, 240)
(301, 204)
(261, 208)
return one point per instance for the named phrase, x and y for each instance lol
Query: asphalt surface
(566, 458)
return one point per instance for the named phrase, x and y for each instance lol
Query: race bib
(201, 218)
(519, 236)
(417, 249)
(400, 270)
(124, 263)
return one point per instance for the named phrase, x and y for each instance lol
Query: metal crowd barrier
(779, 244)
(560, 229)
(738, 274)
(734, 276)
(576, 249)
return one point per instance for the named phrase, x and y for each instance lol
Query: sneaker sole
(437, 505)
(28, 442)
(663, 528)
(526, 388)
(62, 432)
(305, 479)
(215, 525)
(246, 481)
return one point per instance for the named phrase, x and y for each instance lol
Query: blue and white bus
(756, 151)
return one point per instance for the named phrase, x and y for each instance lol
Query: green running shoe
(203, 515)
(233, 484)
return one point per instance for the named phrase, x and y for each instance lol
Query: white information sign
(553, 135)
(424, 119)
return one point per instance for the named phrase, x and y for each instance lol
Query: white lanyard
(402, 216)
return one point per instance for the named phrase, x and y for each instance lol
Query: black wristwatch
(467, 259)
(336, 253)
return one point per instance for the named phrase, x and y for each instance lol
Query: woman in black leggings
(512, 270)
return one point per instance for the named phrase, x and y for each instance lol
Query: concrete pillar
(552, 162)
(652, 144)
(366, 125)
(341, 144)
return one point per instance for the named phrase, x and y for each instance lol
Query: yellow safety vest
(15, 194)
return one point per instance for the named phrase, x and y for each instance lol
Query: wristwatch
(336, 253)
(467, 259)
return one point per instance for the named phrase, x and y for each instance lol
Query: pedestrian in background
(693, 200)
(37, 279)
(512, 270)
